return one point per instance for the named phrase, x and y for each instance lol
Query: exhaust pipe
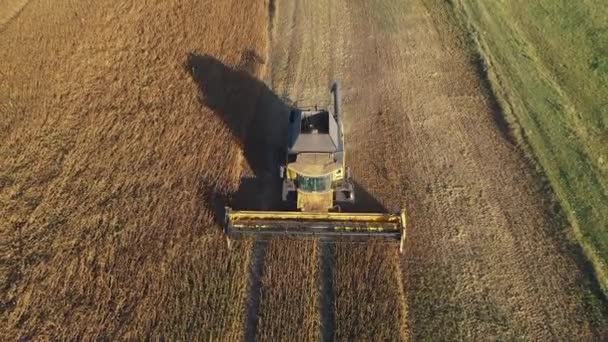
(335, 90)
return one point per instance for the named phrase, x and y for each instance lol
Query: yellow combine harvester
(316, 181)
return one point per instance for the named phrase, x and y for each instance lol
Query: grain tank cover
(313, 131)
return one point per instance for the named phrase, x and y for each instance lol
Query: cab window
(314, 184)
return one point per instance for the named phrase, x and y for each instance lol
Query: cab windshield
(314, 184)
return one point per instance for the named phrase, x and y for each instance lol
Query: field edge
(472, 42)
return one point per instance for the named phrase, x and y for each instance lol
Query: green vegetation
(547, 61)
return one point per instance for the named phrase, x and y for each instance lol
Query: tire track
(255, 289)
(327, 300)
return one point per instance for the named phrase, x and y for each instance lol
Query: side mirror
(282, 171)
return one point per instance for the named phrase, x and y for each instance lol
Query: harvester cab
(315, 182)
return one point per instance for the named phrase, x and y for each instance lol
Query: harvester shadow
(256, 116)
(364, 201)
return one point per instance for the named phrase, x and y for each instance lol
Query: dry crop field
(125, 126)
(106, 156)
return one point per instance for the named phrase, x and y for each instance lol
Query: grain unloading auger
(316, 181)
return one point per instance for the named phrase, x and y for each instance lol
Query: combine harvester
(315, 182)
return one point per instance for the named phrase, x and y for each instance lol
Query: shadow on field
(364, 201)
(255, 114)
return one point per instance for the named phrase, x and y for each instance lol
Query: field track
(125, 126)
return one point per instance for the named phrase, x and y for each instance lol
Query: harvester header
(315, 182)
(346, 226)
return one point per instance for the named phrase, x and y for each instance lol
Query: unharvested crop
(109, 164)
